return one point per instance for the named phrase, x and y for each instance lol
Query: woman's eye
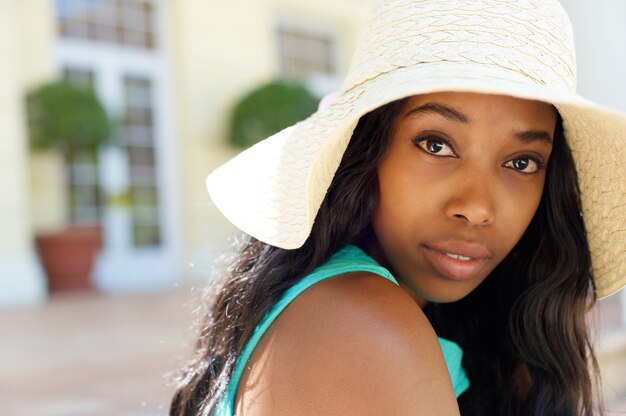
(435, 146)
(524, 165)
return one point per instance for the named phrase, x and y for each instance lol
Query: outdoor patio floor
(93, 355)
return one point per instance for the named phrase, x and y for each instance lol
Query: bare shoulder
(354, 344)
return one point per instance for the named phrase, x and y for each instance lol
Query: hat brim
(274, 189)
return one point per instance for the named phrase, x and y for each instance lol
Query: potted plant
(69, 119)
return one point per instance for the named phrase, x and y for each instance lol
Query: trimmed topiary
(269, 109)
(67, 118)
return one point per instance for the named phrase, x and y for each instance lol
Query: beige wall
(48, 201)
(25, 53)
(221, 50)
(44, 173)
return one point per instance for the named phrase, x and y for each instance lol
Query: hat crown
(531, 38)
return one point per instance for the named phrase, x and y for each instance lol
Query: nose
(472, 201)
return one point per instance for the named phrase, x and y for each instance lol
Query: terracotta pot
(68, 257)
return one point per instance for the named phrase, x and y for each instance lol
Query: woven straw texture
(522, 48)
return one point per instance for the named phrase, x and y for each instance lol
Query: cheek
(518, 209)
(401, 191)
(393, 200)
(409, 185)
(397, 205)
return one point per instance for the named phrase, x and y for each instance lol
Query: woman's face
(460, 183)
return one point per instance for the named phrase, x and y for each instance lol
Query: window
(76, 76)
(305, 54)
(138, 140)
(121, 22)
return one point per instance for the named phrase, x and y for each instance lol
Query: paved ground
(92, 355)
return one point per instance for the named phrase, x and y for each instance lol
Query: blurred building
(169, 72)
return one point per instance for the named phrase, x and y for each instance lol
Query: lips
(457, 260)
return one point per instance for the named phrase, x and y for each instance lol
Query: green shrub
(269, 109)
(67, 118)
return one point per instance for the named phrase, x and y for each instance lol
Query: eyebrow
(455, 115)
(444, 111)
(534, 136)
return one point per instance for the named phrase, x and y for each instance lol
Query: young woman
(432, 240)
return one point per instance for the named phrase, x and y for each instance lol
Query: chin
(447, 295)
(446, 298)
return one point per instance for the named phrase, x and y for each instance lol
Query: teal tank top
(347, 260)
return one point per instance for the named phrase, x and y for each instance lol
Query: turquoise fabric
(349, 259)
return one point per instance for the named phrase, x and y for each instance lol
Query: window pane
(76, 29)
(83, 174)
(145, 195)
(124, 22)
(139, 143)
(143, 176)
(146, 236)
(138, 136)
(106, 33)
(303, 54)
(139, 116)
(78, 76)
(84, 204)
(145, 215)
(141, 156)
(138, 92)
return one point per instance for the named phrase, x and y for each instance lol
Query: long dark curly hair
(524, 333)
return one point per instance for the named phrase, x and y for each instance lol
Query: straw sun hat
(520, 48)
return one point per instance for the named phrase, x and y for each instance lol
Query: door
(115, 46)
